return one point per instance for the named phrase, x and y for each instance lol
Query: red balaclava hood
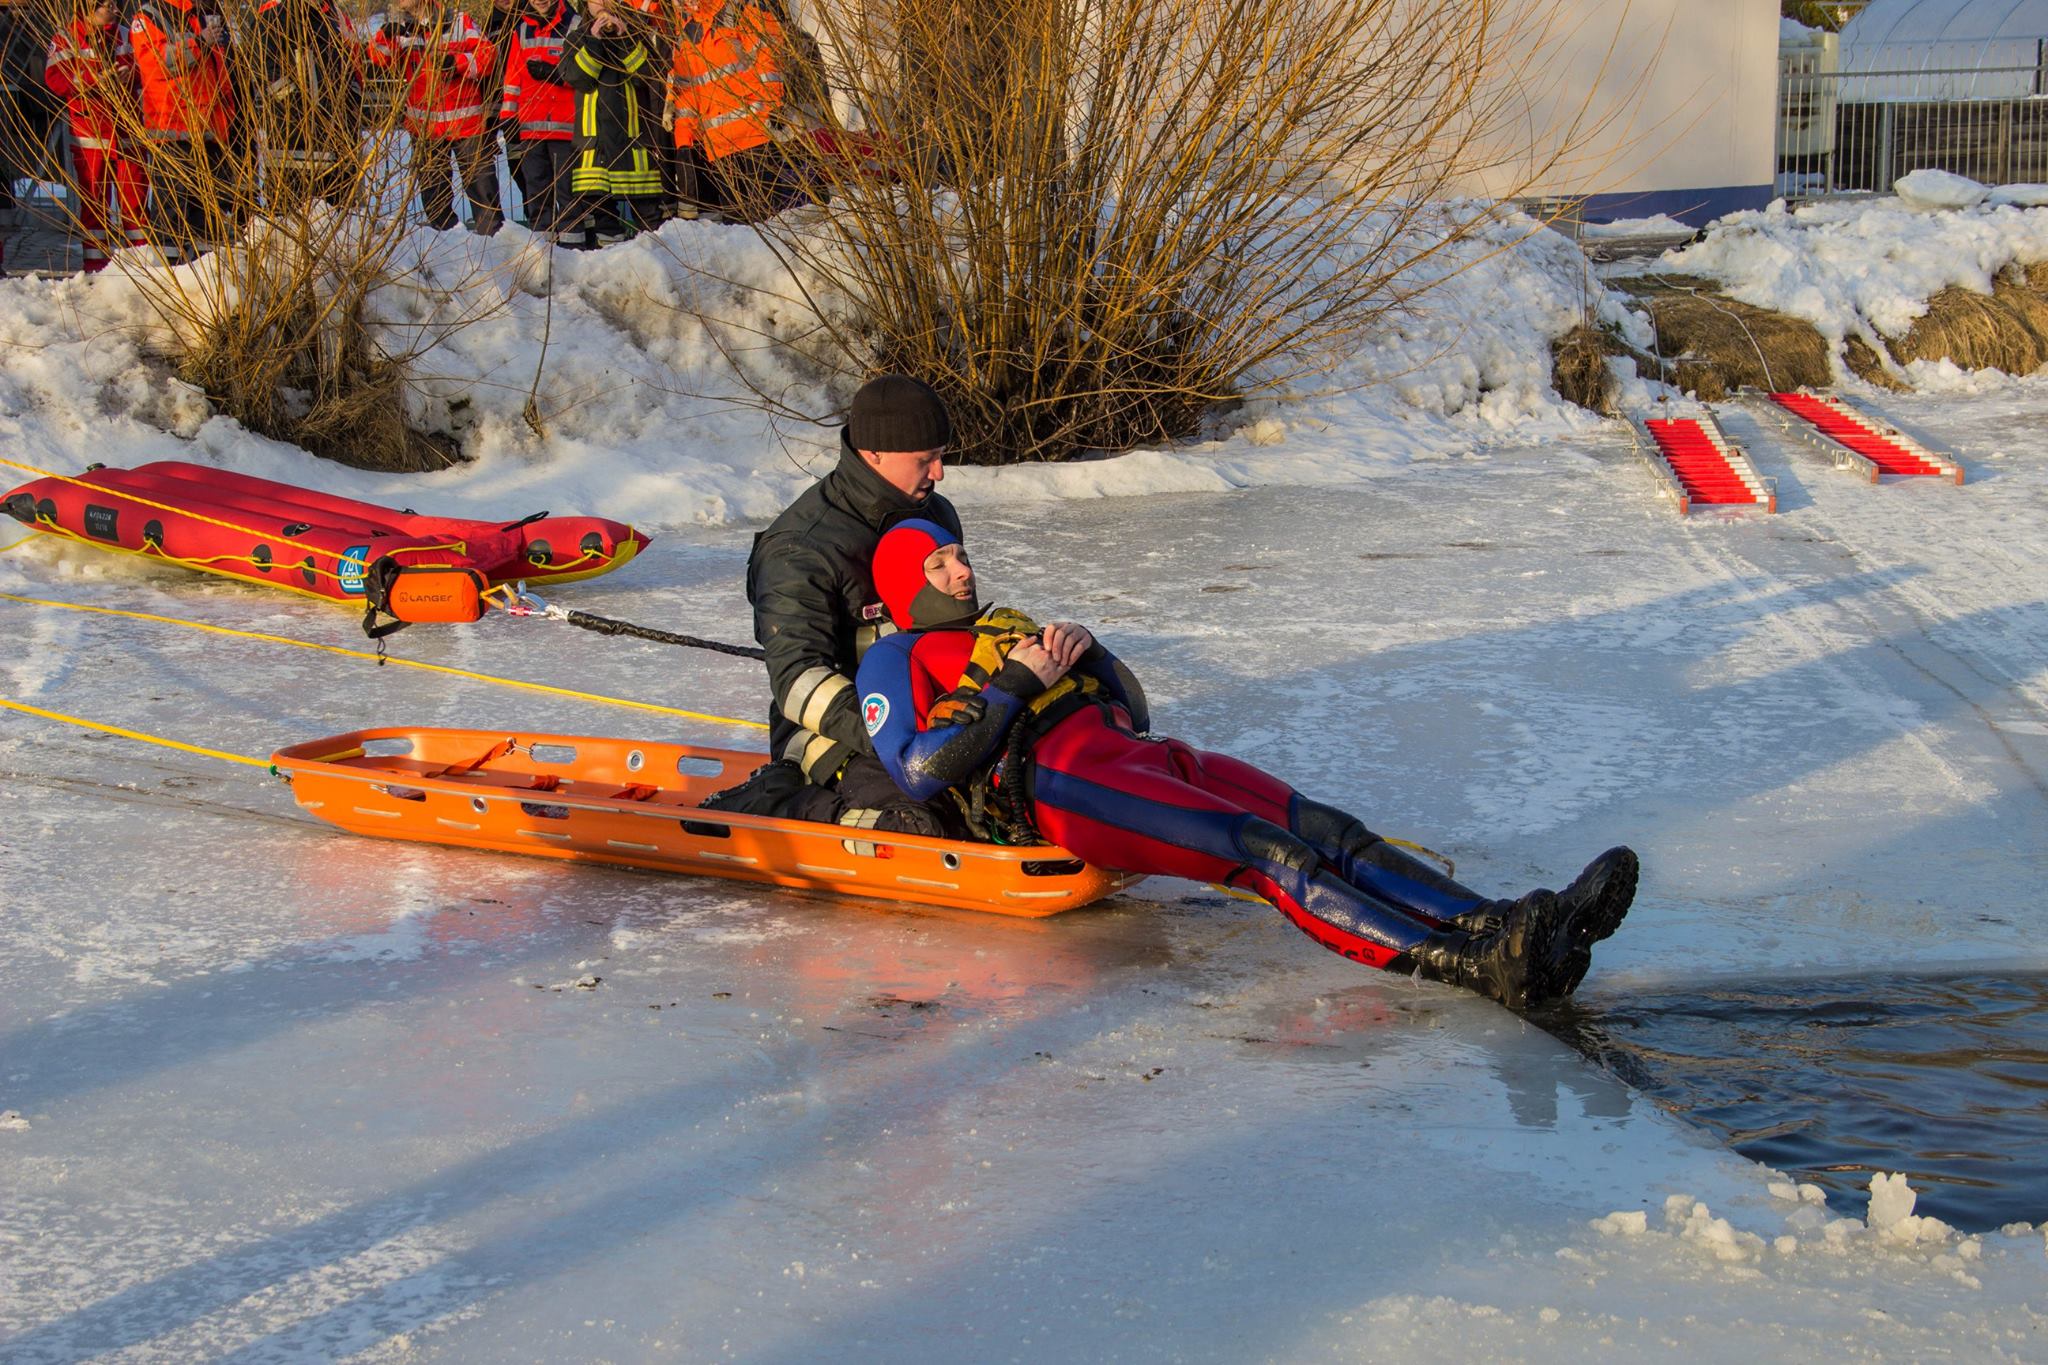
(913, 603)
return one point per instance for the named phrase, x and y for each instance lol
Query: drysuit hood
(914, 604)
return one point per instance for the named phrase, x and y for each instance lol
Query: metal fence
(1844, 132)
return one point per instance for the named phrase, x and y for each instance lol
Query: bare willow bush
(261, 251)
(1090, 222)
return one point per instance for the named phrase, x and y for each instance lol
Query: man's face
(947, 569)
(103, 15)
(910, 472)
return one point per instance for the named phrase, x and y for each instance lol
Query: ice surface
(288, 1094)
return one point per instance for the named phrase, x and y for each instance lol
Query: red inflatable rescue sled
(305, 541)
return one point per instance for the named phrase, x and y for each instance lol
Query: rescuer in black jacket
(816, 612)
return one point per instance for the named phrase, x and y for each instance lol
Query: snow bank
(1854, 268)
(654, 347)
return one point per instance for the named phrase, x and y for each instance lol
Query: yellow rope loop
(402, 663)
(85, 724)
(1450, 868)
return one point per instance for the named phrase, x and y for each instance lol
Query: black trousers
(190, 199)
(543, 173)
(780, 790)
(475, 164)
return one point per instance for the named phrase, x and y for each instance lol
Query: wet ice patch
(403, 939)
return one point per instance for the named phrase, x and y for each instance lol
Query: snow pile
(1856, 268)
(1692, 1278)
(1932, 190)
(643, 360)
(1657, 225)
(1891, 1232)
(2021, 196)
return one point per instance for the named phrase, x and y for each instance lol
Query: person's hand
(608, 26)
(1067, 642)
(1041, 661)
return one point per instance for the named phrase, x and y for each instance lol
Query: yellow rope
(16, 545)
(196, 516)
(403, 663)
(1450, 868)
(151, 551)
(85, 724)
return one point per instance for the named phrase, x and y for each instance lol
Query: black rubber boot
(1599, 897)
(1367, 860)
(1593, 907)
(1524, 960)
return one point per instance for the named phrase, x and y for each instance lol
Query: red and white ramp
(1700, 467)
(1860, 440)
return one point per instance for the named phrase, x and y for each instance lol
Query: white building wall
(1672, 105)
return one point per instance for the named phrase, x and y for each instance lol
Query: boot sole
(1610, 904)
(1598, 918)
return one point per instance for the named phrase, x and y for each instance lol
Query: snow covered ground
(271, 1092)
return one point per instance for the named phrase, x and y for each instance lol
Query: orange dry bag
(412, 594)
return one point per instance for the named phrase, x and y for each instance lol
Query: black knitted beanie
(896, 412)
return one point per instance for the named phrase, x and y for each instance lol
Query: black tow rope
(605, 625)
(524, 603)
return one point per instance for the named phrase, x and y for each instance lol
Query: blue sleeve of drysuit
(925, 762)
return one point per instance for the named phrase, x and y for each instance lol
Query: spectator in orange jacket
(90, 66)
(187, 106)
(448, 65)
(725, 91)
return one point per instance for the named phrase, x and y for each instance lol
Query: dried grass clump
(1579, 367)
(1976, 331)
(1864, 361)
(2024, 290)
(1712, 345)
(1090, 222)
(269, 306)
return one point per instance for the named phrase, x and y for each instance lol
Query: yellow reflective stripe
(815, 752)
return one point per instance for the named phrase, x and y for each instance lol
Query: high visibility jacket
(534, 92)
(616, 102)
(89, 68)
(184, 79)
(448, 75)
(728, 78)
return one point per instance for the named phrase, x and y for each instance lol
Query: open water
(1942, 1077)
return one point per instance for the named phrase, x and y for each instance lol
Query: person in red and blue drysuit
(1041, 733)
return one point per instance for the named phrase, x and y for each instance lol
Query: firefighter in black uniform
(816, 612)
(308, 103)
